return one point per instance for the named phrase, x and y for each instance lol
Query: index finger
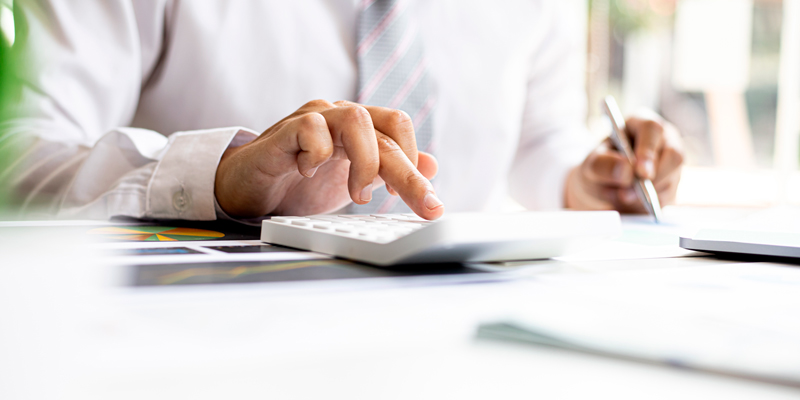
(396, 124)
(648, 137)
(404, 177)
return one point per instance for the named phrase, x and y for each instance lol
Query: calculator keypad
(378, 228)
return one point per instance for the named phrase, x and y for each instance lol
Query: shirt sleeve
(86, 62)
(554, 138)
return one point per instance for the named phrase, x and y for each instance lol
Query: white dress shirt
(131, 103)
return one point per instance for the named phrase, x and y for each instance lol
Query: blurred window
(725, 72)
(7, 22)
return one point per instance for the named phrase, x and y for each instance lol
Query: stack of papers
(737, 319)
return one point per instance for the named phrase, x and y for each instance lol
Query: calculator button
(287, 220)
(414, 217)
(419, 224)
(367, 236)
(385, 238)
(325, 217)
(304, 223)
(353, 216)
(401, 225)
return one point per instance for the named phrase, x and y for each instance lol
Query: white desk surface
(70, 331)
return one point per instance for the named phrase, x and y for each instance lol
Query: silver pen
(644, 187)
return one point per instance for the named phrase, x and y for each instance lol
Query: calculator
(392, 239)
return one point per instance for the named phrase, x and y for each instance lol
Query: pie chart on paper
(154, 233)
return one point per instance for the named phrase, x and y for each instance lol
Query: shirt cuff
(182, 186)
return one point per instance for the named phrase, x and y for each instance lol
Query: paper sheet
(739, 319)
(641, 239)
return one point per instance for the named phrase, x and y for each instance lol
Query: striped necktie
(393, 73)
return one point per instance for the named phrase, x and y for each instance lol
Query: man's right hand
(323, 156)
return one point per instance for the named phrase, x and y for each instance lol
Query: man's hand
(605, 179)
(323, 156)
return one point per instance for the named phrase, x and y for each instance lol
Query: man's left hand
(604, 181)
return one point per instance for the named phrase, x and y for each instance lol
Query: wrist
(222, 182)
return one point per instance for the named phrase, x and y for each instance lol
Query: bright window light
(7, 24)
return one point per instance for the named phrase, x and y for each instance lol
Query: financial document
(736, 319)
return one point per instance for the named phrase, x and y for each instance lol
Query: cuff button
(181, 201)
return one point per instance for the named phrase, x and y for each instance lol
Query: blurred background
(7, 91)
(725, 72)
